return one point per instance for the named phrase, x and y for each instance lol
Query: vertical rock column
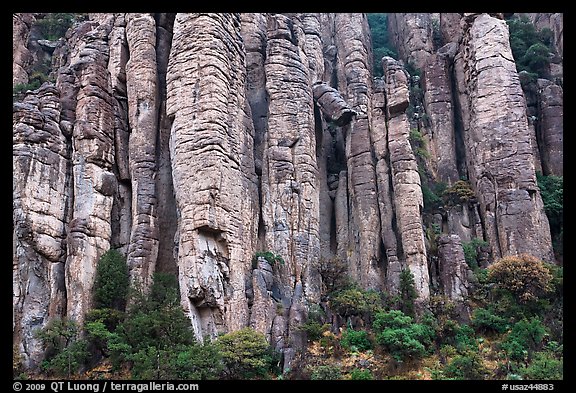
(351, 39)
(379, 136)
(411, 33)
(408, 200)
(166, 203)
(142, 89)
(122, 206)
(40, 205)
(290, 172)
(93, 182)
(497, 139)
(212, 168)
(438, 104)
(21, 57)
(290, 179)
(551, 127)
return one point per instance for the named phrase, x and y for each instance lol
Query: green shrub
(361, 375)
(459, 193)
(525, 337)
(356, 339)
(530, 47)
(314, 329)
(54, 25)
(400, 336)
(65, 352)
(381, 45)
(544, 366)
(468, 366)
(471, 251)
(112, 281)
(270, 257)
(157, 320)
(484, 320)
(189, 362)
(245, 353)
(326, 372)
(524, 277)
(408, 292)
(552, 192)
(465, 339)
(418, 144)
(356, 301)
(68, 361)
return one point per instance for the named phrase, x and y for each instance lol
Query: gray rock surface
(497, 140)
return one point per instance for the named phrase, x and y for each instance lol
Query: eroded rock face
(498, 146)
(351, 31)
(142, 91)
(41, 203)
(212, 168)
(438, 104)
(192, 141)
(21, 57)
(408, 200)
(411, 33)
(453, 268)
(93, 181)
(551, 123)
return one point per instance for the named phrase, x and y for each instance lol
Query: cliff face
(192, 141)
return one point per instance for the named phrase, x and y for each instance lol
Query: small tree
(245, 353)
(112, 281)
(400, 336)
(326, 373)
(408, 292)
(65, 352)
(525, 338)
(524, 276)
(468, 366)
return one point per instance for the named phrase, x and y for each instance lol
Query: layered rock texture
(192, 142)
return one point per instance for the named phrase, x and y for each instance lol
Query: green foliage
(356, 340)
(361, 375)
(270, 257)
(458, 193)
(187, 362)
(471, 251)
(326, 372)
(355, 301)
(246, 354)
(544, 366)
(408, 292)
(525, 337)
(54, 25)
(530, 47)
(418, 144)
(485, 321)
(21, 88)
(400, 336)
(112, 281)
(465, 338)
(154, 324)
(314, 329)
(381, 45)
(468, 366)
(68, 361)
(65, 352)
(432, 194)
(525, 277)
(552, 192)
